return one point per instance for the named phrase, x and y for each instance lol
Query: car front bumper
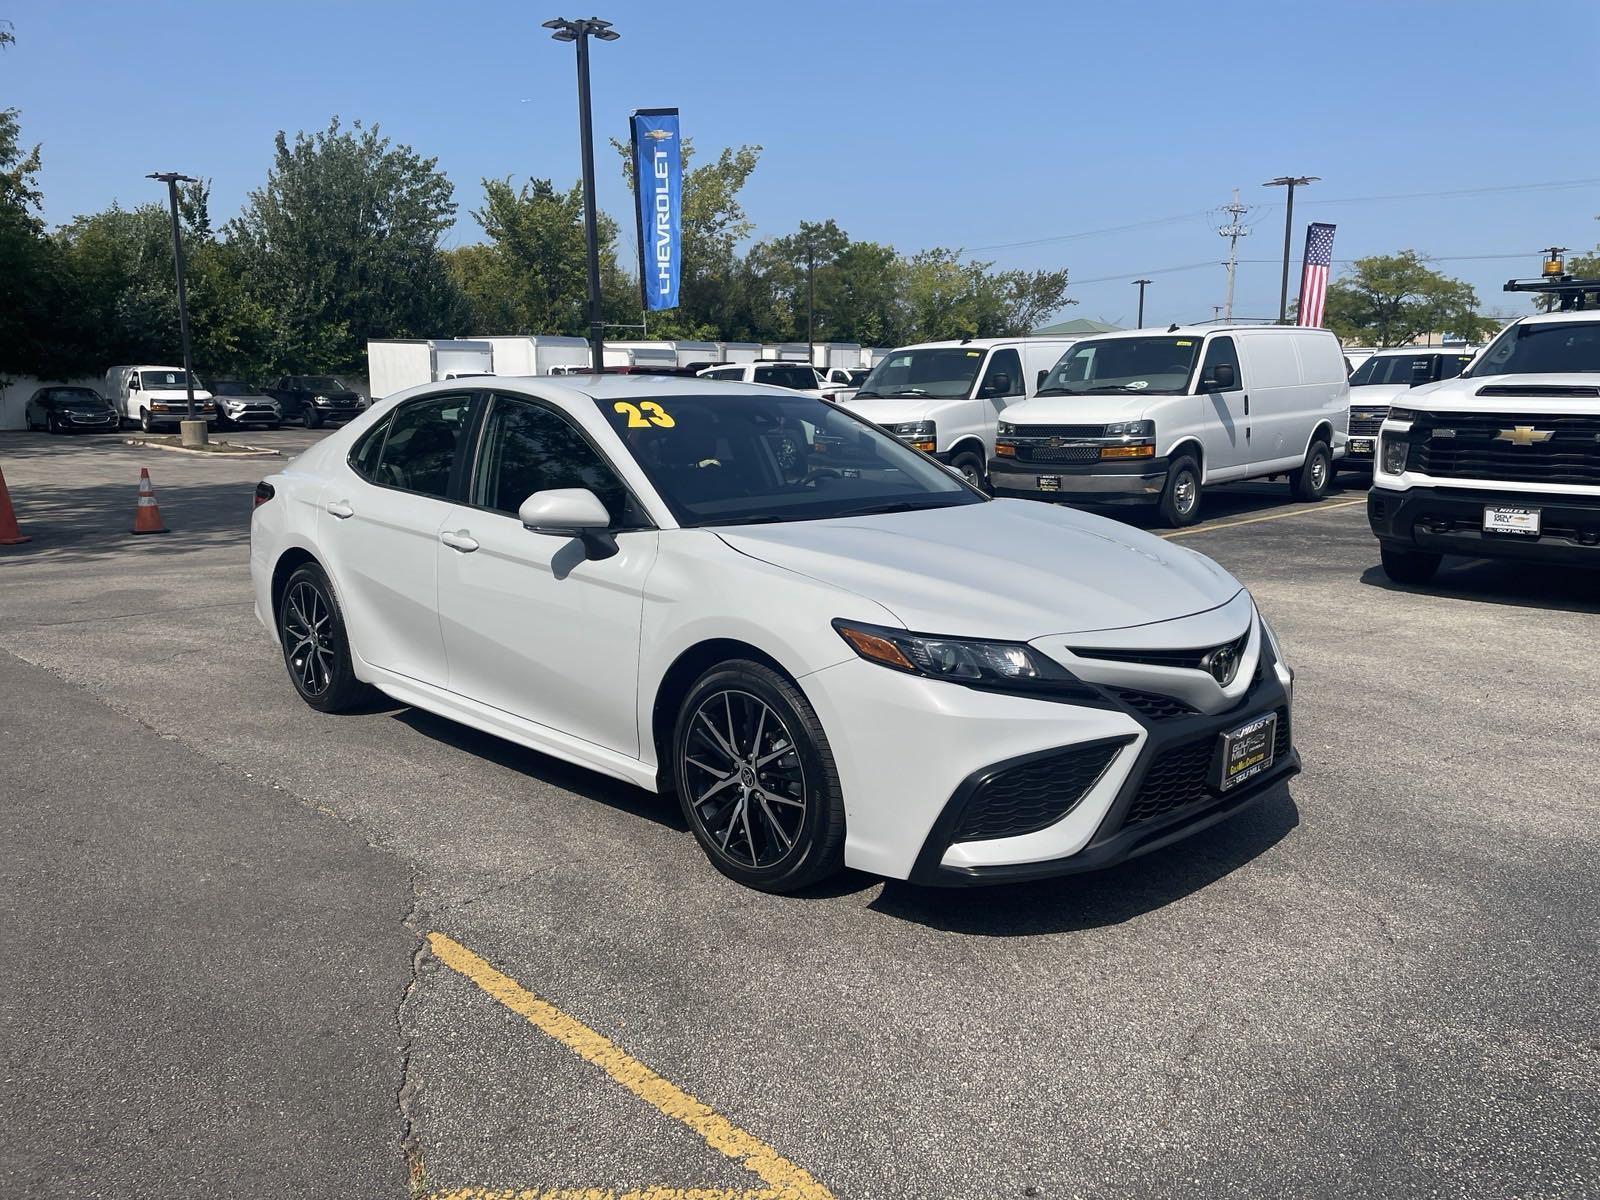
(1135, 479)
(910, 786)
(1446, 520)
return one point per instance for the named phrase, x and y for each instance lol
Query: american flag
(1314, 275)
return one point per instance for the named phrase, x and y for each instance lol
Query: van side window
(1220, 352)
(1005, 363)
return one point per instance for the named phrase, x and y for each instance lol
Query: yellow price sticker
(1183, 343)
(644, 415)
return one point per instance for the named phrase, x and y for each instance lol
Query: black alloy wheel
(316, 650)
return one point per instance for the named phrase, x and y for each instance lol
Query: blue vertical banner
(658, 187)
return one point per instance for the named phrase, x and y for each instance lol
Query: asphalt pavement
(1381, 979)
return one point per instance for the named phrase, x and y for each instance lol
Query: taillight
(264, 492)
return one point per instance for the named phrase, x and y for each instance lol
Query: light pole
(172, 179)
(580, 31)
(1141, 284)
(1291, 182)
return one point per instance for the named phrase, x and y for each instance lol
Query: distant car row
(156, 398)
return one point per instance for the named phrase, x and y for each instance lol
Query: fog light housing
(1394, 453)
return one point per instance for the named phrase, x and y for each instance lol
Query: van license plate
(1049, 483)
(1359, 447)
(1248, 750)
(1519, 522)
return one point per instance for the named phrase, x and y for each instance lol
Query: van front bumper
(1446, 520)
(1133, 480)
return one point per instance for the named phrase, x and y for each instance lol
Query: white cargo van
(1155, 416)
(944, 398)
(154, 397)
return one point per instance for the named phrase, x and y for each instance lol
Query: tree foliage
(1392, 299)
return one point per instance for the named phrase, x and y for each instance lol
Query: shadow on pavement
(79, 522)
(1498, 581)
(1094, 900)
(1227, 502)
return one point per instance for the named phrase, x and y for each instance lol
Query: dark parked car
(70, 409)
(241, 403)
(314, 399)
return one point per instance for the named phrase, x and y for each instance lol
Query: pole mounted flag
(1314, 275)
(658, 189)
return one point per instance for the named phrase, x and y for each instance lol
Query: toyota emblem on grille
(1223, 663)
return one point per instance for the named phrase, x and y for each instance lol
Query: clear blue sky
(918, 124)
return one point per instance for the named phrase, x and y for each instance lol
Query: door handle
(341, 509)
(459, 540)
(1247, 405)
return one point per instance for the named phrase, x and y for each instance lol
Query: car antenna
(1173, 328)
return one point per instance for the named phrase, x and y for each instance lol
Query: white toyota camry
(832, 650)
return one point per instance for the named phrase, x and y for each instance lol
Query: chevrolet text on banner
(658, 183)
(1314, 275)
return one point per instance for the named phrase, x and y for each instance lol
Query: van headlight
(1133, 429)
(1012, 666)
(922, 435)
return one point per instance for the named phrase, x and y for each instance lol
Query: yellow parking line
(1299, 512)
(784, 1180)
(648, 1193)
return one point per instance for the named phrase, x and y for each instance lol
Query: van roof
(987, 343)
(1202, 330)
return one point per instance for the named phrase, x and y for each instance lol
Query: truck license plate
(1248, 750)
(1519, 522)
(1359, 447)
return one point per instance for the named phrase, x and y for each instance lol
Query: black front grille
(1182, 775)
(1058, 454)
(1510, 447)
(1060, 431)
(1367, 422)
(1037, 794)
(1191, 659)
(1154, 705)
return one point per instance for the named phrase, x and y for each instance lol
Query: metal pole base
(193, 434)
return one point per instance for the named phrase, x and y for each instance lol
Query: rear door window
(424, 442)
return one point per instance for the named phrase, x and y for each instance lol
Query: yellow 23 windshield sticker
(644, 415)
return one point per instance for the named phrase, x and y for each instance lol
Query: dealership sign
(658, 180)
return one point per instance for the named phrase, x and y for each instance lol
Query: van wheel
(1409, 566)
(1310, 481)
(971, 468)
(1180, 498)
(145, 423)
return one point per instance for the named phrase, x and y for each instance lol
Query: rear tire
(1310, 481)
(1180, 497)
(1409, 566)
(756, 779)
(316, 647)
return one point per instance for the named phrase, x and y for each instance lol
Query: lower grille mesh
(1032, 796)
(1181, 776)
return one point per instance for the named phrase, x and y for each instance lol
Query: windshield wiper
(754, 519)
(906, 392)
(1057, 391)
(860, 394)
(888, 506)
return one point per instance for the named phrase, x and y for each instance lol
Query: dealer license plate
(1519, 522)
(1049, 483)
(1359, 447)
(1248, 750)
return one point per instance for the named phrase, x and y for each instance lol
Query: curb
(238, 452)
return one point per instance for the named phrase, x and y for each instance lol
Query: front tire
(316, 649)
(972, 469)
(1310, 481)
(756, 779)
(1180, 497)
(1409, 566)
(145, 423)
(311, 418)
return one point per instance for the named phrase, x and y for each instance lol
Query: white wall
(14, 397)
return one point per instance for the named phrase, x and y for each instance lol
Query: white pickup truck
(1501, 462)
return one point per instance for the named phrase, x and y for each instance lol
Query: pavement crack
(406, 1093)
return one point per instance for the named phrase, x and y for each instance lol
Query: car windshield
(325, 383)
(942, 371)
(162, 381)
(1399, 368)
(745, 457)
(231, 387)
(1542, 348)
(1134, 364)
(72, 397)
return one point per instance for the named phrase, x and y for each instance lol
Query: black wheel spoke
(750, 807)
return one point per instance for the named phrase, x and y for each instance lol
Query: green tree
(949, 298)
(34, 297)
(1392, 299)
(341, 244)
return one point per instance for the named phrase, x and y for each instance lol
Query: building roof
(1077, 327)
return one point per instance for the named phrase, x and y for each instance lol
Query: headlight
(1140, 429)
(922, 435)
(1395, 446)
(1006, 429)
(1402, 414)
(1009, 665)
(319, 399)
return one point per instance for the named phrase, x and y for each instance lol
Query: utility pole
(580, 32)
(1141, 284)
(1233, 231)
(172, 179)
(1291, 182)
(811, 301)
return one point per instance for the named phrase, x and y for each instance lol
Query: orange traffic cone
(147, 514)
(10, 533)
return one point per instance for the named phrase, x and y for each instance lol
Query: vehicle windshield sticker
(644, 415)
(1140, 383)
(974, 353)
(1182, 343)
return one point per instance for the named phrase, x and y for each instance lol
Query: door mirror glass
(564, 510)
(999, 384)
(133, 383)
(1221, 379)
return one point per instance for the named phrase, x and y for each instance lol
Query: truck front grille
(1514, 448)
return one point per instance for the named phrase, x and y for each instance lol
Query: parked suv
(240, 403)
(1155, 416)
(1502, 462)
(1385, 376)
(314, 399)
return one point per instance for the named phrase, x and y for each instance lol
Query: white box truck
(845, 356)
(394, 364)
(786, 352)
(698, 355)
(739, 352)
(528, 354)
(641, 355)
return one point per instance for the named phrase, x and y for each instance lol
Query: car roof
(625, 387)
(1551, 318)
(988, 343)
(1392, 351)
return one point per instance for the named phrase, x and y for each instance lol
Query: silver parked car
(240, 403)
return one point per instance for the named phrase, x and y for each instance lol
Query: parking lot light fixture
(172, 179)
(579, 32)
(1291, 182)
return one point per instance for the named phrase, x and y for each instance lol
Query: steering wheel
(820, 473)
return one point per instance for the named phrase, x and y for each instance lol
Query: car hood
(1377, 395)
(252, 398)
(892, 410)
(1098, 409)
(1009, 569)
(1572, 392)
(169, 394)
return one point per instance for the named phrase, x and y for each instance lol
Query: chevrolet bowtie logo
(660, 135)
(1524, 435)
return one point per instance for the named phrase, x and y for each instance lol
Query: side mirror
(999, 385)
(1221, 379)
(133, 383)
(569, 511)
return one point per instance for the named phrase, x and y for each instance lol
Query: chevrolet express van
(153, 397)
(1155, 416)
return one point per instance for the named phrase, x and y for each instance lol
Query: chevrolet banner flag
(658, 187)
